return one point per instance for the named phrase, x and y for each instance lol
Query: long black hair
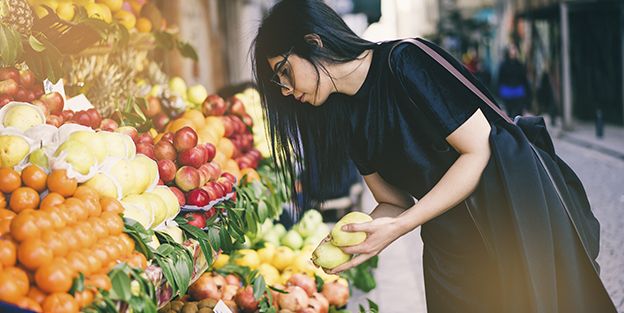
(309, 141)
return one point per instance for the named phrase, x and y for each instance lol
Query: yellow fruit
(270, 274)
(179, 124)
(215, 123)
(13, 149)
(221, 261)
(126, 19)
(283, 257)
(266, 254)
(207, 134)
(65, 11)
(194, 116)
(105, 185)
(342, 238)
(99, 11)
(113, 5)
(143, 25)
(329, 256)
(247, 257)
(303, 264)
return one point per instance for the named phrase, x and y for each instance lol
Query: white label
(78, 103)
(59, 87)
(221, 308)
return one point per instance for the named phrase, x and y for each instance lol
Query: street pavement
(400, 286)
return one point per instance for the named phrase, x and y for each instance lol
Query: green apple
(292, 239)
(177, 85)
(272, 238)
(279, 229)
(329, 256)
(92, 141)
(313, 217)
(77, 155)
(13, 149)
(22, 116)
(197, 94)
(342, 238)
(104, 185)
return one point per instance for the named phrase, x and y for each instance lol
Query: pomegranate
(245, 300)
(204, 288)
(304, 281)
(337, 294)
(324, 304)
(232, 279)
(296, 299)
(229, 291)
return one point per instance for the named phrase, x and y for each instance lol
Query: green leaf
(374, 308)
(77, 284)
(186, 50)
(164, 40)
(319, 283)
(259, 287)
(35, 44)
(121, 286)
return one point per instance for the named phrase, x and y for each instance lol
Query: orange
(3, 202)
(24, 198)
(84, 298)
(14, 284)
(60, 303)
(137, 260)
(6, 214)
(36, 294)
(28, 304)
(9, 180)
(56, 243)
(65, 214)
(179, 124)
(84, 234)
(57, 218)
(93, 262)
(109, 204)
(128, 242)
(77, 209)
(8, 253)
(114, 223)
(93, 207)
(43, 220)
(59, 182)
(98, 227)
(52, 199)
(143, 25)
(34, 177)
(33, 253)
(78, 262)
(85, 192)
(5, 226)
(101, 254)
(70, 239)
(113, 251)
(98, 281)
(24, 226)
(226, 147)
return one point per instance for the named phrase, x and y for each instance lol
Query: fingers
(356, 249)
(357, 260)
(356, 227)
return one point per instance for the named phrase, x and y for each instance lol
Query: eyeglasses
(282, 78)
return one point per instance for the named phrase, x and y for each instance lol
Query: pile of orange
(51, 230)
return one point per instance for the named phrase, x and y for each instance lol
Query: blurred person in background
(496, 235)
(512, 85)
(545, 96)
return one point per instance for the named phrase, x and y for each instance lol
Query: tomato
(56, 276)
(24, 226)
(60, 303)
(14, 284)
(34, 253)
(8, 253)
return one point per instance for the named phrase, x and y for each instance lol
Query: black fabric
(511, 247)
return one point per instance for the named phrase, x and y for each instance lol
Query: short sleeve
(361, 163)
(439, 94)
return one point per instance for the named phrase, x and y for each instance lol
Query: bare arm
(391, 200)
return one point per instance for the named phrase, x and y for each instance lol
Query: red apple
(214, 105)
(196, 219)
(160, 182)
(145, 138)
(218, 188)
(168, 136)
(244, 162)
(164, 150)
(27, 78)
(5, 99)
(21, 94)
(213, 192)
(147, 149)
(207, 171)
(130, 131)
(255, 154)
(304, 281)
(184, 139)
(216, 170)
(82, 118)
(54, 120)
(179, 194)
(67, 115)
(212, 151)
(210, 213)
(8, 87)
(229, 126)
(95, 117)
(38, 90)
(152, 106)
(204, 151)
(9, 73)
(160, 121)
(230, 177)
(236, 106)
(336, 293)
(194, 157)
(198, 197)
(187, 178)
(54, 101)
(108, 125)
(226, 184)
(166, 170)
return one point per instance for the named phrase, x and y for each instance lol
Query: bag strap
(442, 61)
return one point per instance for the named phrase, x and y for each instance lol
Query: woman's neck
(350, 76)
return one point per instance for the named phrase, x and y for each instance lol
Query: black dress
(515, 249)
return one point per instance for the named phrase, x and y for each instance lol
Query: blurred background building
(579, 43)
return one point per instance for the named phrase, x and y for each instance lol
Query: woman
(495, 237)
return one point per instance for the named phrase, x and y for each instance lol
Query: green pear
(23, 117)
(104, 185)
(279, 229)
(123, 173)
(77, 155)
(145, 172)
(197, 94)
(13, 149)
(329, 256)
(342, 238)
(292, 239)
(39, 158)
(158, 207)
(137, 213)
(91, 140)
(114, 143)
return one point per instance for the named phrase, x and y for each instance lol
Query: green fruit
(292, 239)
(329, 256)
(39, 157)
(77, 155)
(23, 117)
(342, 238)
(197, 94)
(104, 185)
(279, 229)
(92, 141)
(13, 149)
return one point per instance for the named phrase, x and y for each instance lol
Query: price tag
(59, 87)
(221, 308)
(78, 103)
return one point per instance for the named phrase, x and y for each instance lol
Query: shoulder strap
(442, 61)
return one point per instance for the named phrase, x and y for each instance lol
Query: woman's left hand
(381, 232)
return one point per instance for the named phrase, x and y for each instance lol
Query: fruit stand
(125, 190)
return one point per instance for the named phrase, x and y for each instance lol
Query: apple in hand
(196, 219)
(166, 170)
(185, 138)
